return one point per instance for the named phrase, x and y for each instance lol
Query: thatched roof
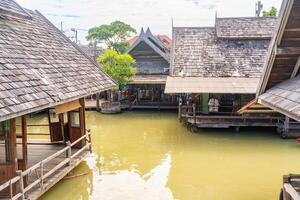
(280, 86)
(39, 66)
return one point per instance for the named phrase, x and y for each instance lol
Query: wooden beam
(288, 51)
(66, 107)
(292, 29)
(296, 68)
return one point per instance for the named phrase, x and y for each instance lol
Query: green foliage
(271, 13)
(114, 35)
(118, 66)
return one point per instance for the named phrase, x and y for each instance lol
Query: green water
(151, 156)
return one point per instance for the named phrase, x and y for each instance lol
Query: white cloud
(155, 14)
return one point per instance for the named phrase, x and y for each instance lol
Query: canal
(151, 156)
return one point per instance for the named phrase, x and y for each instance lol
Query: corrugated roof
(40, 67)
(211, 85)
(198, 52)
(284, 97)
(245, 27)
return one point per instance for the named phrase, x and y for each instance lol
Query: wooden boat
(110, 107)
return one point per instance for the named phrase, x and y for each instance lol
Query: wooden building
(152, 55)
(41, 69)
(279, 86)
(280, 83)
(217, 69)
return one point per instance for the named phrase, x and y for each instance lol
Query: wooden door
(56, 125)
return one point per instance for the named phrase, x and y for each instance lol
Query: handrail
(42, 176)
(288, 188)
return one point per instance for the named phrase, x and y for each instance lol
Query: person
(213, 104)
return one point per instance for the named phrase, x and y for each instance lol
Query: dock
(92, 105)
(47, 165)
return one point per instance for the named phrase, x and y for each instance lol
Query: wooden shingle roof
(198, 52)
(40, 67)
(246, 27)
(279, 86)
(149, 39)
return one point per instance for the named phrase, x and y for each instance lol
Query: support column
(98, 102)
(82, 118)
(24, 147)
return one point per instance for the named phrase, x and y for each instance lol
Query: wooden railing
(290, 190)
(42, 174)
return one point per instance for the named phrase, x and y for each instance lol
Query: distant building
(152, 55)
(220, 65)
(91, 51)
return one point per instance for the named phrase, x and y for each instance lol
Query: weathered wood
(66, 107)
(291, 191)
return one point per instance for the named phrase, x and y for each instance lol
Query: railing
(290, 187)
(42, 174)
(108, 104)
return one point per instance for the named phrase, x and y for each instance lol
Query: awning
(224, 85)
(284, 98)
(148, 79)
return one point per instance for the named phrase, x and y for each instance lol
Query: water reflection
(78, 186)
(129, 184)
(149, 155)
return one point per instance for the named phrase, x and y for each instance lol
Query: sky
(156, 14)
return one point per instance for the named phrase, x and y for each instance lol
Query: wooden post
(69, 152)
(42, 175)
(62, 125)
(90, 141)
(180, 109)
(286, 179)
(194, 113)
(21, 183)
(286, 124)
(24, 148)
(82, 119)
(24, 140)
(49, 122)
(98, 102)
(13, 143)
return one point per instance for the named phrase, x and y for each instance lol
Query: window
(75, 122)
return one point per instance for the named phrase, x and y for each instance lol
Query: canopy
(217, 85)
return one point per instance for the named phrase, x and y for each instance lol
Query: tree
(114, 35)
(271, 13)
(118, 66)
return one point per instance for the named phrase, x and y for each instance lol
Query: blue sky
(156, 14)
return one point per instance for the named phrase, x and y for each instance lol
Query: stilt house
(219, 65)
(41, 69)
(152, 55)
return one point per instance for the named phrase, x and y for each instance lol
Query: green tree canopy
(271, 13)
(114, 35)
(118, 66)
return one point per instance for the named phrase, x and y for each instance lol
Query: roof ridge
(249, 17)
(14, 9)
